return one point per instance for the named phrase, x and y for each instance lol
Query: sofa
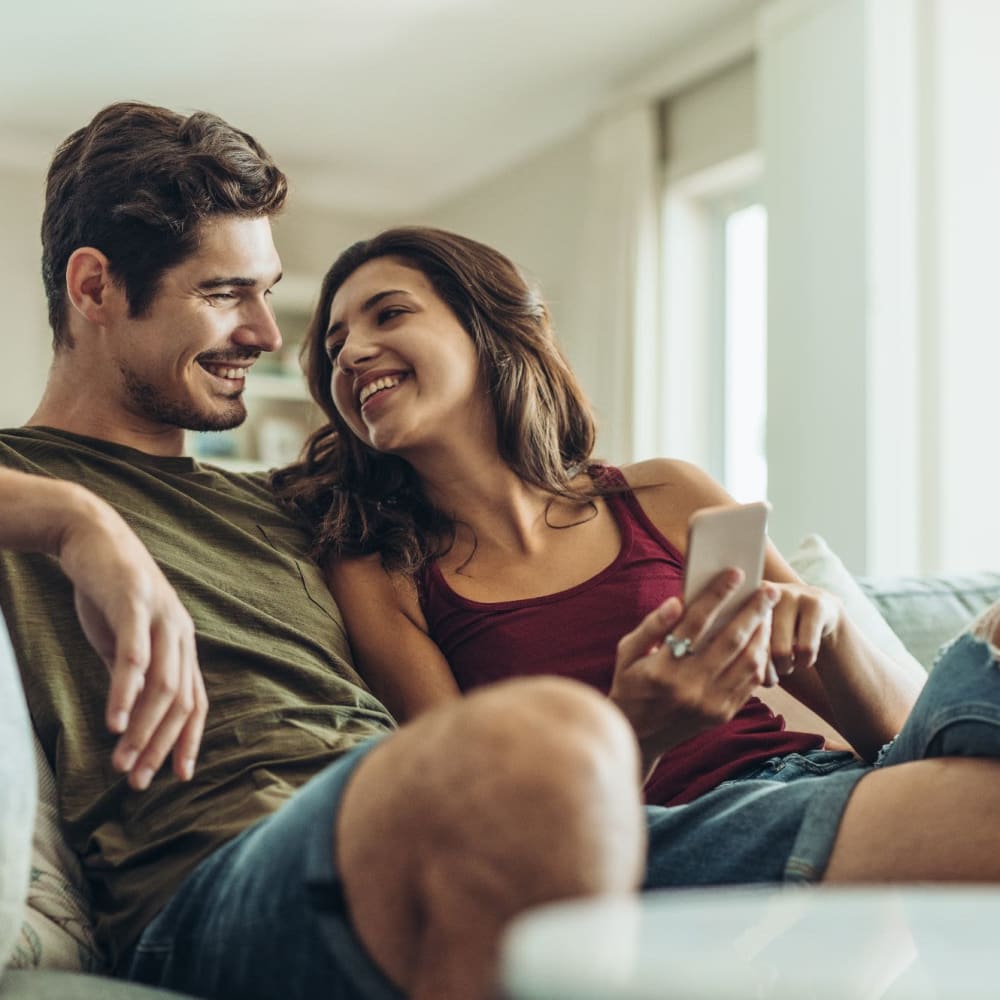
(46, 938)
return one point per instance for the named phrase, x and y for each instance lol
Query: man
(396, 867)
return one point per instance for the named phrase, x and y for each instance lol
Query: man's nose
(260, 330)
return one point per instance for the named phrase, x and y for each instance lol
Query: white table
(751, 944)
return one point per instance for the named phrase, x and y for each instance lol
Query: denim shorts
(264, 916)
(778, 822)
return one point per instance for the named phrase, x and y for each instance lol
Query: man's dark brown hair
(136, 183)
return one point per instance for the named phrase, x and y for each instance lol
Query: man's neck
(132, 432)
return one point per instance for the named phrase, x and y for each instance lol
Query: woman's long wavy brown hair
(360, 501)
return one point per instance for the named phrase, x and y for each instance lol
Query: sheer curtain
(617, 323)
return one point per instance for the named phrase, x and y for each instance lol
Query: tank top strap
(635, 525)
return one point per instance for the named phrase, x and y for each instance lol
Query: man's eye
(221, 296)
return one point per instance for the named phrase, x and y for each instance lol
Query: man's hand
(139, 627)
(668, 698)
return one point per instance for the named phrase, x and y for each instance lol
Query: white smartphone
(721, 537)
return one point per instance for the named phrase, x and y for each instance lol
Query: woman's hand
(669, 698)
(803, 617)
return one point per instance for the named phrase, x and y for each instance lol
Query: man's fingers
(128, 672)
(163, 682)
(189, 742)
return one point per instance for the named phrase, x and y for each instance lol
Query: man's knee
(548, 727)
(524, 792)
(542, 768)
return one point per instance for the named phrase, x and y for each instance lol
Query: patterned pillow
(57, 931)
(17, 797)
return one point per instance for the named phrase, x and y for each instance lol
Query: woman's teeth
(386, 382)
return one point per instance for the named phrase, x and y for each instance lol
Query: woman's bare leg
(926, 821)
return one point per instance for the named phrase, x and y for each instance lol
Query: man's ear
(91, 290)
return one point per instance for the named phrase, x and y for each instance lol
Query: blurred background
(766, 229)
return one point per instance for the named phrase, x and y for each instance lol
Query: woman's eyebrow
(367, 306)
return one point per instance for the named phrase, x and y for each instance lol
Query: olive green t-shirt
(284, 697)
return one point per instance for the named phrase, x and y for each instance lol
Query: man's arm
(128, 611)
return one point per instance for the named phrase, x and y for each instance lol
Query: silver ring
(678, 647)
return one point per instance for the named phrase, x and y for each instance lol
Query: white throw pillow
(819, 566)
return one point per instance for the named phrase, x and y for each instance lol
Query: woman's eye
(390, 313)
(332, 350)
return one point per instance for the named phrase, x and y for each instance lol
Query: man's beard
(154, 405)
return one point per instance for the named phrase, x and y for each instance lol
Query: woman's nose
(355, 351)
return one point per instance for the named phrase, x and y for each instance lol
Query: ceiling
(369, 105)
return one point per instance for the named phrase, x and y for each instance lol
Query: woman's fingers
(803, 616)
(701, 613)
(649, 633)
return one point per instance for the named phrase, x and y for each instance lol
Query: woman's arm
(388, 636)
(855, 688)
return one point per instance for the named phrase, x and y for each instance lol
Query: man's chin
(219, 420)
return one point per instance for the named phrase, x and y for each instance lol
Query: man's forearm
(38, 512)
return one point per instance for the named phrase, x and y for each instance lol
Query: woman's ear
(91, 290)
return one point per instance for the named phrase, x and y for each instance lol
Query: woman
(468, 536)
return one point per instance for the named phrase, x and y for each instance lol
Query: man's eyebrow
(367, 306)
(235, 280)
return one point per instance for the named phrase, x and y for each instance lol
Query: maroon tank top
(575, 632)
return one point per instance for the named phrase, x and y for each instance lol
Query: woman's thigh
(933, 820)
(777, 824)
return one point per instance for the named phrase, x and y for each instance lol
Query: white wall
(25, 337)
(838, 185)
(534, 213)
(961, 227)
(882, 187)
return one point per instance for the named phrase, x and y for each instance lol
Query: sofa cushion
(68, 986)
(928, 611)
(17, 797)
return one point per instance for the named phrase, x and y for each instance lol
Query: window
(744, 351)
(712, 361)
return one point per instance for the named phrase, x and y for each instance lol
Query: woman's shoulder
(670, 473)
(670, 491)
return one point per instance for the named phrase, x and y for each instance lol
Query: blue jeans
(778, 822)
(264, 917)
